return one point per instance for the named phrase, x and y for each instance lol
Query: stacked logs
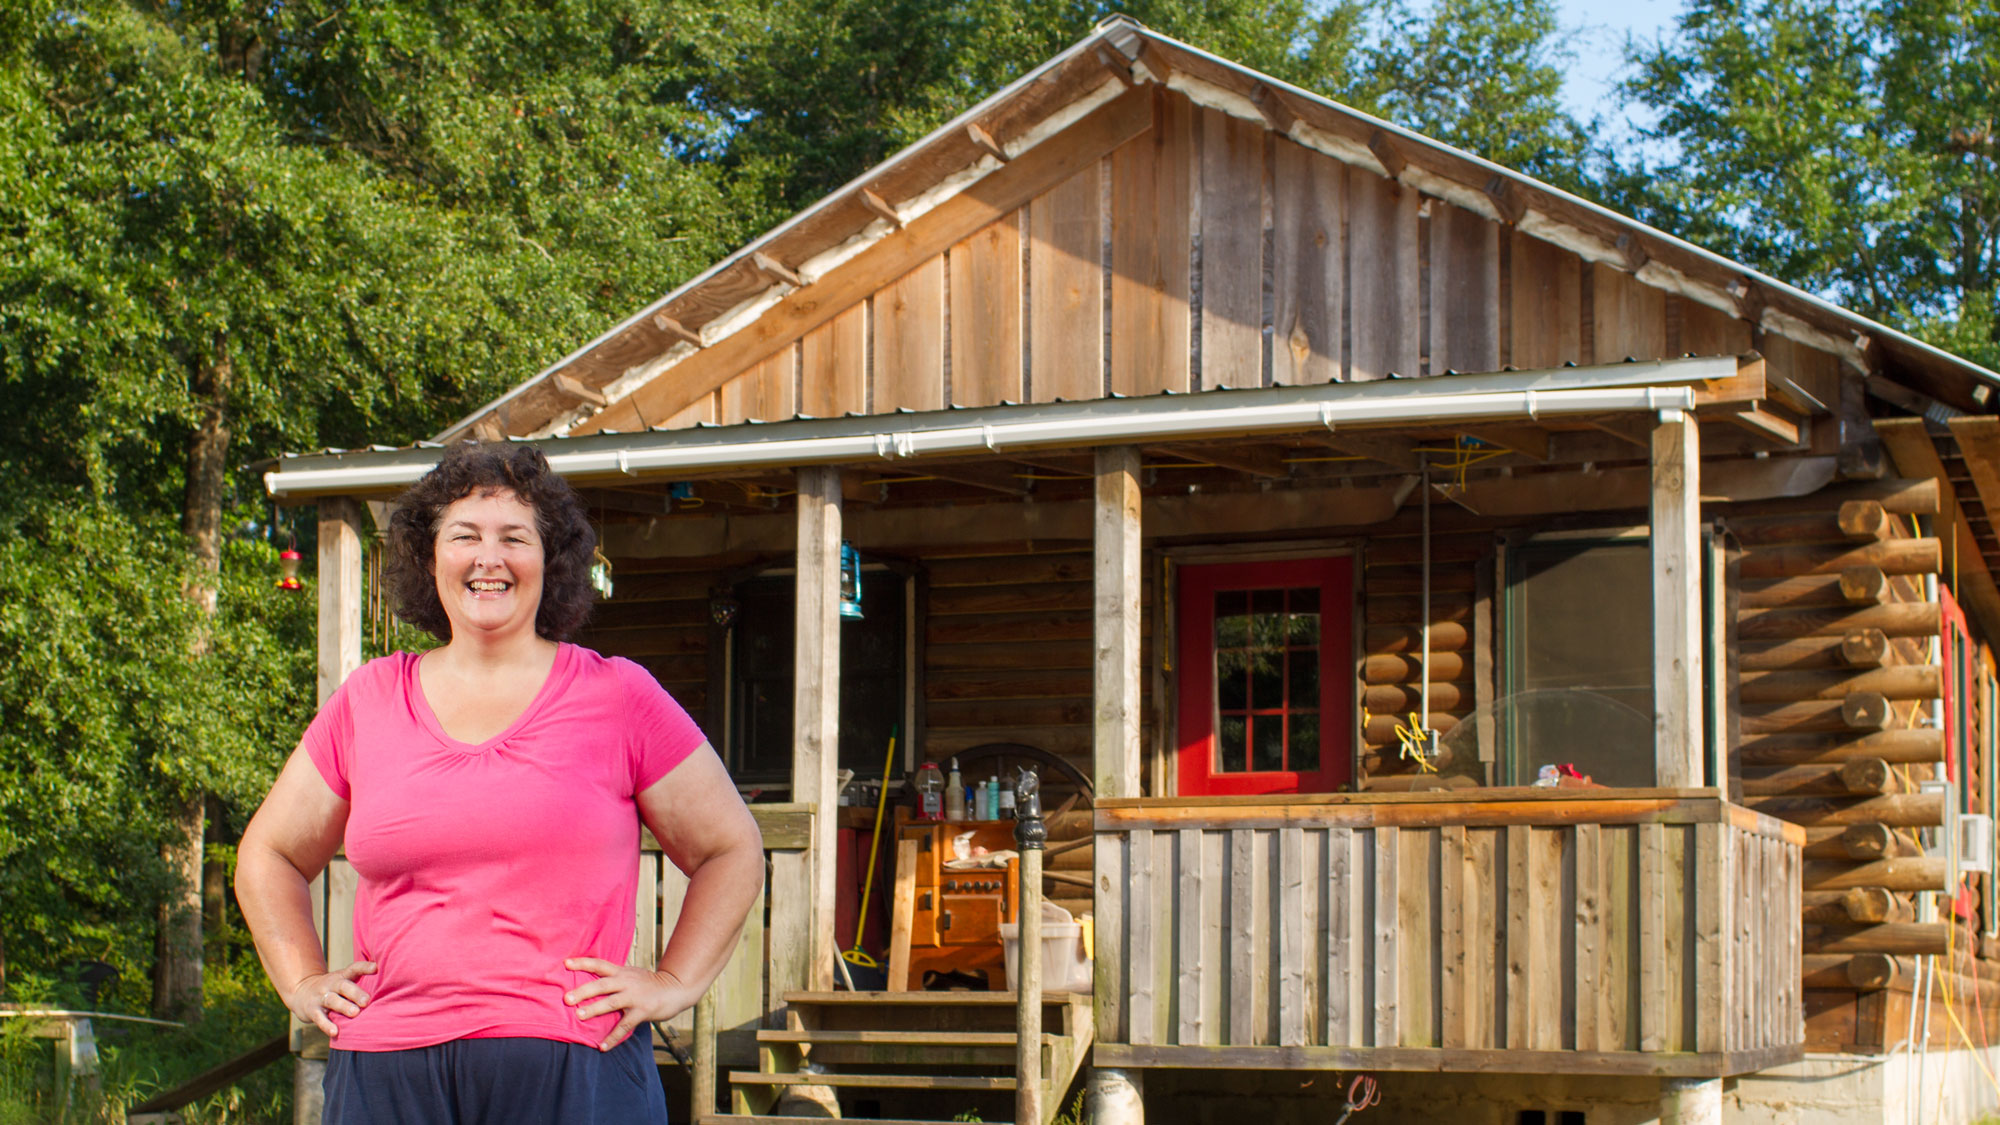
(1836, 683)
(1393, 671)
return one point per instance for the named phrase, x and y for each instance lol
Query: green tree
(99, 714)
(1845, 147)
(202, 261)
(228, 230)
(817, 92)
(1485, 75)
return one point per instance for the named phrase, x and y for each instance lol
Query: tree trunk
(177, 964)
(207, 473)
(214, 880)
(177, 955)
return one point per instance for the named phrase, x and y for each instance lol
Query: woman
(489, 795)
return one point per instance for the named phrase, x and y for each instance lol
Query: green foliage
(371, 221)
(1075, 1114)
(372, 226)
(1485, 75)
(101, 711)
(1845, 147)
(139, 1061)
(812, 93)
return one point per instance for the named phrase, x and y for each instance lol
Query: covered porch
(1493, 928)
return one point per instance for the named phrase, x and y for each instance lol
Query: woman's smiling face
(488, 564)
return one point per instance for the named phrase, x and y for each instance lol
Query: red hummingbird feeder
(288, 561)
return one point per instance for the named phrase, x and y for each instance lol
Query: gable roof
(579, 392)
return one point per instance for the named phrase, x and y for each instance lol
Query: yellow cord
(1944, 988)
(1413, 741)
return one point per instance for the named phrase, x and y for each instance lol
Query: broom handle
(875, 839)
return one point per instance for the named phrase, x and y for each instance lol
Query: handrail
(1470, 808)
(66, 1013)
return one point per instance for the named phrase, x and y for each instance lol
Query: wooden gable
(1160, 245)
(1137, 216)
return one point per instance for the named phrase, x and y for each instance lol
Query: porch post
(1677, 601)
(1113, 1096)
(816, 700)
(1690, 1101)
(339, 589)
(1115, 692)
(339, 592)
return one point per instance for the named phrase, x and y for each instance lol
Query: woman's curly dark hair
(568, 542)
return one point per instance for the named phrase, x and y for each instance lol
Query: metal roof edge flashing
(1554, 391)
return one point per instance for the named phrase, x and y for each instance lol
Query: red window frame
(1961, 680)
(1195, 653)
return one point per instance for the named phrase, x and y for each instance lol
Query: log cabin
(1496, 646)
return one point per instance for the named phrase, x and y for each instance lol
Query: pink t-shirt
(483, 867)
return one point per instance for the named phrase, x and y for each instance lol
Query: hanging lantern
(600, 573)
(722, 607)
(288, 562)
(850, 581)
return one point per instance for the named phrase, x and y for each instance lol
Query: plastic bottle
(993, 797)
(930, 792)
(1007, 799)
(954, 794)
(980, 797)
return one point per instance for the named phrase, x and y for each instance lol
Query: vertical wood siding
(1205, 253)
(1643, 935)
(1066, 232)
(1150, 247)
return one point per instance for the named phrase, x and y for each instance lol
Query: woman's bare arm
(295, 833)
(707, 832)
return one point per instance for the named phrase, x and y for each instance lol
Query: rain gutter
(998, 430)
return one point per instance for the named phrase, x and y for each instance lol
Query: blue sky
(1599, 29)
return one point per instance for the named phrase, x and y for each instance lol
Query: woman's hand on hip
(313, 998)
(643, 995)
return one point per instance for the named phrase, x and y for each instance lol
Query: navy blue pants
(497, 1082)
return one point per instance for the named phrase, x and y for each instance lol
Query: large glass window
(1579, 661)
(873, 674)
(1265, 701)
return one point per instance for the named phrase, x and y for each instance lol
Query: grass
(239, 1012)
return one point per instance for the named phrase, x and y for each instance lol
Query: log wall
(1413, 932)
(1007, 653)
(658, 618)
(1393, 672)
(1004, 641)
(1838, 680)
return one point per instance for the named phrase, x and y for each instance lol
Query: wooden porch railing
(1616, 931)
(743, 998)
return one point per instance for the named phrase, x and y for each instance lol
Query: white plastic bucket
(1064, 966)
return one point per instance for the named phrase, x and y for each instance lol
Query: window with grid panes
(1266, 697)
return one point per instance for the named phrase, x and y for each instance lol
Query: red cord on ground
(1361, 1093)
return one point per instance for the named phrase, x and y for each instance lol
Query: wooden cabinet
(956, 923)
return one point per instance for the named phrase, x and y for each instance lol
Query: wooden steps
(876, 1081)
(920, 1058)
(733, 1119)
(901, 1038)
(865, 1047)
(913, 999)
